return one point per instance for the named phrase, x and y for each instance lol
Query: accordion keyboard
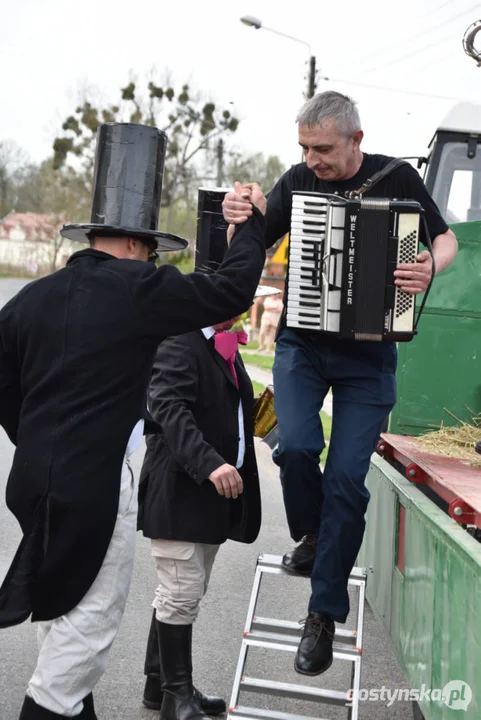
(306, 249)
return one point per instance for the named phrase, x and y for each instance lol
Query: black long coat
(76, 351)
(195, 401)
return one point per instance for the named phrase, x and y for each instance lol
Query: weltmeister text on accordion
(342, 258)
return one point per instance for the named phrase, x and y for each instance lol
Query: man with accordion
(354, 269)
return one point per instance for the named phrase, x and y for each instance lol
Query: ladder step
(282, 642)
(273, 564)
(295, 630)
(298, 692)
(284, 635)
(249, 713)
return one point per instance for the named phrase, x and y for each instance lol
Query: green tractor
(439, 372)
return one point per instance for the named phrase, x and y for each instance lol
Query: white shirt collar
(208, 332)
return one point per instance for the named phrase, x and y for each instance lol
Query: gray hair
(331, 104)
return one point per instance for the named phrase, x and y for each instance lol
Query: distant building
(30, 243)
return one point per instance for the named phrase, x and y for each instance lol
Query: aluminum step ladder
(285, 635)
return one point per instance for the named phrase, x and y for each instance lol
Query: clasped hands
(237, 205)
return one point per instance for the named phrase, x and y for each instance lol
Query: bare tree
(192, 125)
(255, 168)
(12, 161)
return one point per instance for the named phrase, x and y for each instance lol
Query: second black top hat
(211, 242)
(129, 166)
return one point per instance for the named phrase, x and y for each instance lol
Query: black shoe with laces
(314, 655)
(301, 559)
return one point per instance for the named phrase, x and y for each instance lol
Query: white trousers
(183, 572)
(74, 648)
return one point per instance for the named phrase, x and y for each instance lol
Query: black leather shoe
(314, 655)
(209, 704)
(301, 559)
(153, 697)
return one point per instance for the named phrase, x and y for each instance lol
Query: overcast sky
(52, 49)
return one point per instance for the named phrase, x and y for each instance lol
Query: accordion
(342, 258)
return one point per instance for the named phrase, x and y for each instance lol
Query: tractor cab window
(457, 184)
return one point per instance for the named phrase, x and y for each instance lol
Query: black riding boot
(32, 711)
(153, 690)
(178, 702)
(88, 713)
(153, 685)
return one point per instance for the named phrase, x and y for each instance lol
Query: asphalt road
(218, 631)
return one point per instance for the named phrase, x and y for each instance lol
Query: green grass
(12, 276)
(262, 361)
(326, 424)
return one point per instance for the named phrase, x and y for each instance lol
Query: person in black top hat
(325, 509)
(76, 351)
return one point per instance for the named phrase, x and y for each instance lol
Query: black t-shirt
(404, 183)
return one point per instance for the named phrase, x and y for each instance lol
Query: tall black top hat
(129, 165)
(211, 240)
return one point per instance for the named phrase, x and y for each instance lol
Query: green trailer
(422, 546)
(424, 585)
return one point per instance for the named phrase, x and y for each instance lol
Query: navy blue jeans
(330, 504)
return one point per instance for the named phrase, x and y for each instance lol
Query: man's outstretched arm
(174, 303)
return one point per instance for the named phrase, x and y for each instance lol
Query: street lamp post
(254, 22)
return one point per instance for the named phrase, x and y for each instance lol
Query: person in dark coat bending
(76, 352)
